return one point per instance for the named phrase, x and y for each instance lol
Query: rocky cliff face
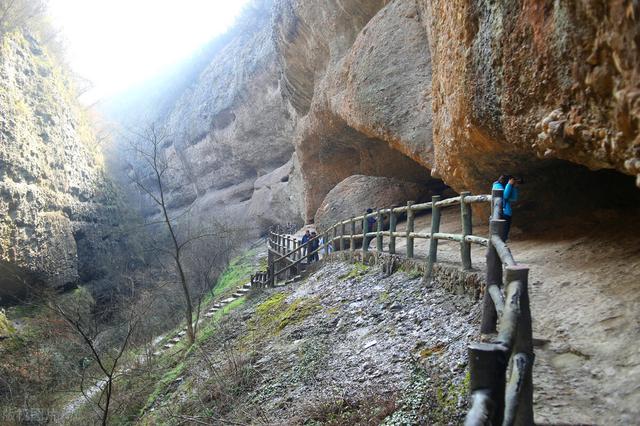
(229, 135)
(359, 78)
(426, 92)
(519, 83)
(463, 91)
(57, 210)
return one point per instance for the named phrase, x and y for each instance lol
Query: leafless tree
(196, 249)
(17, 13)
(107, 344)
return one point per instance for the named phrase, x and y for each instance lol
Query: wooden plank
(517, 411)
(342, 234)
(467, 223)
(477, 240)
(445, 236)
(510, 314)
(422, 207)
(477, 199)
(448, 202)
(503, 250)
(494, 277)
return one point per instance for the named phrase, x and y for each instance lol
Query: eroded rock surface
(58, 212)
(365, 107)
(354, 195)
(516, 83)
(229, 136)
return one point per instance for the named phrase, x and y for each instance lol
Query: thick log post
(410, 228)
(496, 203)
(379, 232)
(342, 232)
(393, 222)
(335, 237)
(487, 369)
(352, 241)
(467, 223)
(522, 364)
(494, 277)
(365, 230)
(435, 227)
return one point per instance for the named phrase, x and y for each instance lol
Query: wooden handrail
(497, 399)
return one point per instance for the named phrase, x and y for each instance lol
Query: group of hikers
(507, 183)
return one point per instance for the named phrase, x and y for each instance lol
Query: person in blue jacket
(508, 184)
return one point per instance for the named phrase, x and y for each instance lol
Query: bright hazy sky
(117, 43)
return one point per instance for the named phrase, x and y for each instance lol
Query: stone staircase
(240, 292)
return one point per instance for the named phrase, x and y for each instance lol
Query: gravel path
(585, 299)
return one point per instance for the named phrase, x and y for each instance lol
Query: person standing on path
(305, 238)
(508, 185)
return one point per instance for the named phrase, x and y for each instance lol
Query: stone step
(243, 290)
(228, 300)
(175, 340)
(182, 333)
(247, 285)
(209, 314)
(168, 346)
(157, 353)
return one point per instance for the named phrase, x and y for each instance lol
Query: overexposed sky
(118, 43)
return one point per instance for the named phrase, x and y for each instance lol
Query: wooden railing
(500, 366)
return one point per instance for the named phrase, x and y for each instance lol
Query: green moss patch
(6, 329)
(275, 314)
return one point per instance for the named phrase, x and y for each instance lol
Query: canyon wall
(518, 83)
(228, 136)
(59, 214)
(305, 94)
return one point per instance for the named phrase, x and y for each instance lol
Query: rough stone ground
(585, 299)
(362, 339)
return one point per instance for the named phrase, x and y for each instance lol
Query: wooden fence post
(487, 370)
(365, 230)
(410, 228)
(352, 241)
(379, 232)
(334, 243)
(467, 223)
(435, 227)
(496, 204)
(342, 233)
(393, 221)
(494, 277)
(519, 392)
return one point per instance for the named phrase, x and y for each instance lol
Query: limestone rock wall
(359, 79)
(229, 140)
(517, 83)
(58, 212)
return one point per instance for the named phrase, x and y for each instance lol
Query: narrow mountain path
(585, 297)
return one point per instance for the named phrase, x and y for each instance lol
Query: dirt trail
(585, 295)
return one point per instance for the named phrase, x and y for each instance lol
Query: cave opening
(558, 190)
